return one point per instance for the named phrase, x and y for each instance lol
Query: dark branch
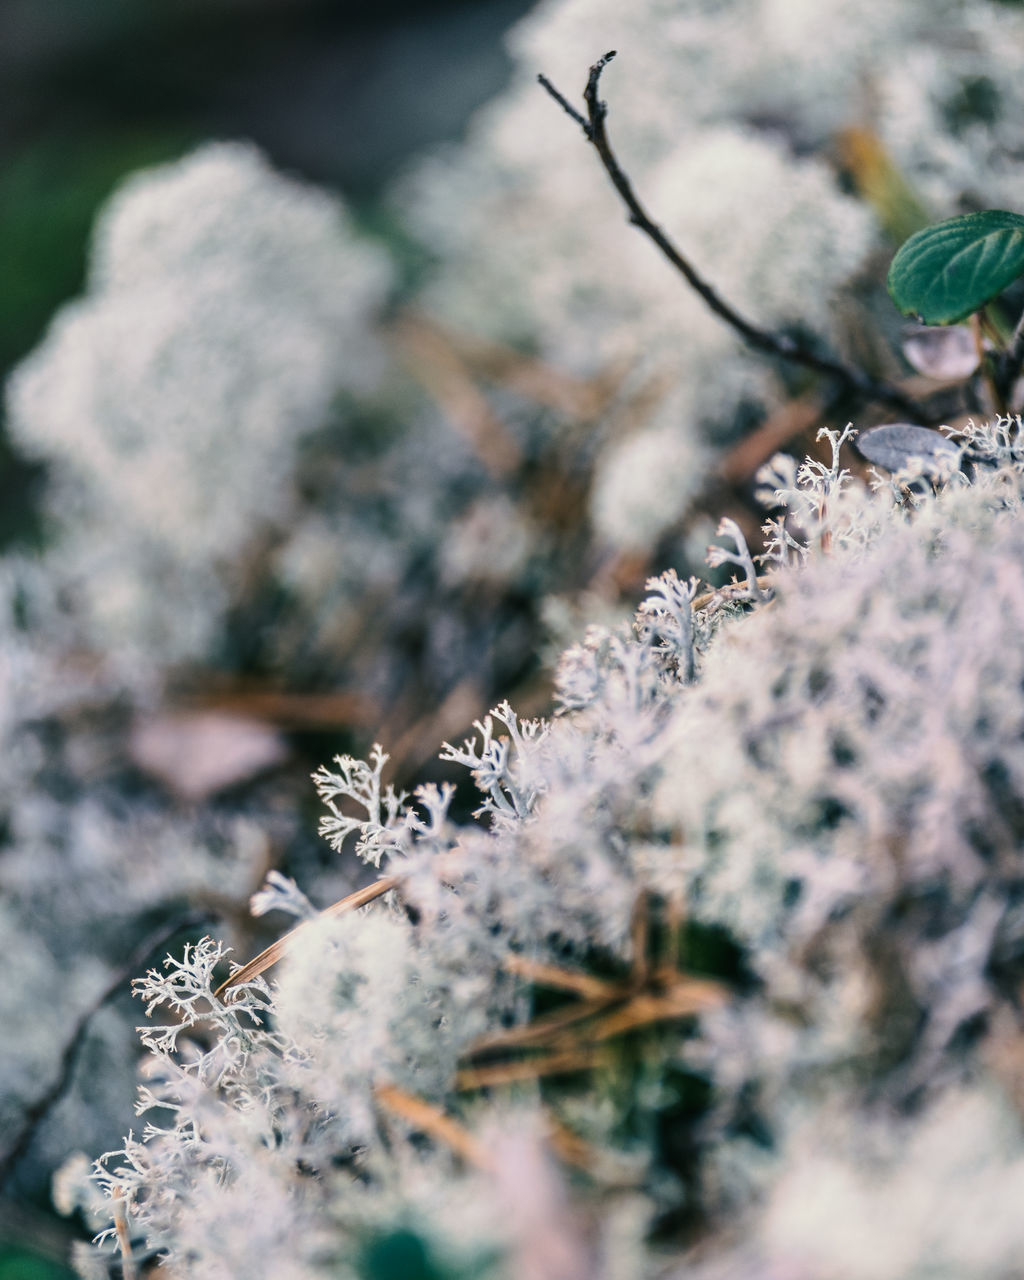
(37, 1111)
(854, 381)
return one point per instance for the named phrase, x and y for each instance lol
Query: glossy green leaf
(946, 272)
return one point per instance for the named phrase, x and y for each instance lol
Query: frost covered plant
(226, 308)
(759, 882)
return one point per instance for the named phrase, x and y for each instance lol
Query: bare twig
(545, 1030)
(854, 381)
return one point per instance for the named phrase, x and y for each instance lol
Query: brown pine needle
(124, 1239)
(611, 1169)
(640, 928)
(543, 1030)
(674, 917)
(552, 1064)
(432, 359)
(549, 975)
(688, 997)
(570, 1147)
(426, 1118)
(261, 963)
(291, 710)
(529, 376)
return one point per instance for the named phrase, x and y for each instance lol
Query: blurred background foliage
(341, 91)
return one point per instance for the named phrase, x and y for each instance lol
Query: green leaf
(948, 271)
(19, 1264)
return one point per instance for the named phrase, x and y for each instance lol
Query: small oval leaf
(946, 272)
(896, 445)
(946, 354)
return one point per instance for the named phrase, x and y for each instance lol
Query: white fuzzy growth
(832, 784)
(890, 1201)
(226, 307)
(504, 768)
(643, 484)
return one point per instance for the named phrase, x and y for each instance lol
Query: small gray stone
(896, 444)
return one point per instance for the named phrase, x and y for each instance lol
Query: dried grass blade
(543, 1029)
(261, 963)
(549, 975)
(429, 1119)
(551, 1064)
(687, 998)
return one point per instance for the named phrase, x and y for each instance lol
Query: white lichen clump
(226, 307)
(828, 791)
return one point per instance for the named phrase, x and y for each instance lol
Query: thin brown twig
(124, 1239)
(431, 1120)
(544, 1030)
(551, 1064)
(855, 381)
(272, 954)
(690, 996)
(549, 975)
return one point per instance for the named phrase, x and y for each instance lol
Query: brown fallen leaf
(947, 353)
(195, 754)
